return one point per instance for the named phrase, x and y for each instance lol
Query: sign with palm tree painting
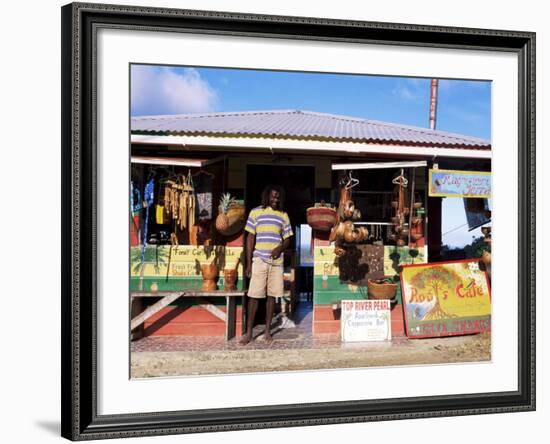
(178, 267)
(445, 298)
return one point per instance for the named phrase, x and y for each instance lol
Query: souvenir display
(321, 217)
(407, 220)
(148, 198)
(179, 203)
(203, 185)
(231, 215)
(344, 229)
(381, 289)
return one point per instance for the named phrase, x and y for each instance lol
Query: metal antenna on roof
(433, 103)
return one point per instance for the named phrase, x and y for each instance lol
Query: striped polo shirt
(270, 227)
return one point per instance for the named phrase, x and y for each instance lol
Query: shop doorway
(298, 183)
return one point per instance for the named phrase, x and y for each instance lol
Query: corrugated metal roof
(302, 125)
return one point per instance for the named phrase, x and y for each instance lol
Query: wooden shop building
(184, 165)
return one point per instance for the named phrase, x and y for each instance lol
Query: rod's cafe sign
(445, 299)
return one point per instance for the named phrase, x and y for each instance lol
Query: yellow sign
(182, 260)
(396, 257)
(326, 263)
(455, 183)
(445, 298)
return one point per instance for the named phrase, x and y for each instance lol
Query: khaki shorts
(265, 277)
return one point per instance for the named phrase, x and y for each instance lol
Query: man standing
(269, 231)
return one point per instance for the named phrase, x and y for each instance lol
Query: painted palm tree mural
(405, 255)
(153, 255)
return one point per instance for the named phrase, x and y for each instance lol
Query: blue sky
(464, 107)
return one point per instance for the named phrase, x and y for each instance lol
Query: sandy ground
(472, 348)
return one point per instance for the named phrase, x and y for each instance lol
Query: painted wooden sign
(179, 267)
(445, 299)
(455, 183)
(366, 320)
(360, 263)
(395, 257)
(328, 288)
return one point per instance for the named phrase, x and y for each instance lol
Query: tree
(434, 279)
(476, 248)
(153, 255)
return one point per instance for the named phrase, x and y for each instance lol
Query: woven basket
(236, 221)
(380, 289)
(321, 218)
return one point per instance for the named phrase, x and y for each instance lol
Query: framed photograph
(281, 221)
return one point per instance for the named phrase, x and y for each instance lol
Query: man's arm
(250, 238)
(286, 234)
(278, 250)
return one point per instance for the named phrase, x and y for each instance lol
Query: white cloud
(411, 89)
(167, 91)
(404, 92)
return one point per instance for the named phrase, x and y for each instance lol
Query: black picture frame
(80, 420)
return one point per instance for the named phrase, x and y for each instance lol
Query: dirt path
(400, 352)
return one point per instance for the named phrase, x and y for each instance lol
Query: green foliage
(470, 251)
(226, 201)
(476, 248)
(433, 276)
(153, 255)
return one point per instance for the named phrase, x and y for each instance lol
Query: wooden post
(231, 321)
(434, 228)
(229, 316)
(136, 307)
(244, 312)
(158, 306)
(203, 303)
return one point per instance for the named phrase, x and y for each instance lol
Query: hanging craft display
(180, 204)
(408, 218)
(344, 230)
(135, 199)
(159, 214)
(148, 196)
(321, 217)
(203, 183)
(135, 206)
